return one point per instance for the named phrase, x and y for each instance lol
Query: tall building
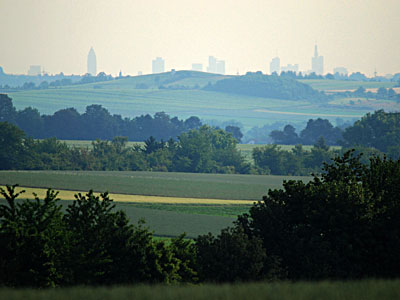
(34, 70)
(317, 63)
(275, 65)
(92, 63)
(197, 67)
(212, 64)
(158, 65)
(220, 67)
(215, 65)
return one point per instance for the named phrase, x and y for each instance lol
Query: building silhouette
(34, 70)
(340, 71)
(291, 68)
(92, 63)
(215, 65)
(275, 66)
(158, 65)
(317, 63)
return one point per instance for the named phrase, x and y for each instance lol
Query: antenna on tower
(375, 73)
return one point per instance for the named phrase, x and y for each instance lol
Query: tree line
(95, 123)
(268, 86)
(203, 150)
(314, 130)
(379, 131)
(341, 225)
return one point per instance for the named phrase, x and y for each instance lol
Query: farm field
(123, 97)
(171, 203)
(328, 85)
(168, 184)
(166, 216)
(349, 290)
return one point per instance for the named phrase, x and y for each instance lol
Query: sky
(360, 35)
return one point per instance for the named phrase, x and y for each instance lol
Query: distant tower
(275, 65)
(91, 63)
(158, 65)
(215, 65)
(317, 63)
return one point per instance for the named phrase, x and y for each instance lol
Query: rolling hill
(183, 94)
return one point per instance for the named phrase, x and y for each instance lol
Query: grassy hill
(182, 95)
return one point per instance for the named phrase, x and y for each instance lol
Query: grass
(184, 185)
(324, 85)
(350, 290)
(170, 220)
(122, 97)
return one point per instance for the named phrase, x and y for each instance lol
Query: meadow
(170, 203)
(167, 184)
(123, 97)
(328, 85)
(327, 290)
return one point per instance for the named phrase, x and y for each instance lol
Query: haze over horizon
(127, 35)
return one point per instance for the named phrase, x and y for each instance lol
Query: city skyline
(127, 35)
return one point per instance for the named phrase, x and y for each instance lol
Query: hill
(181, 94)
(260, 85)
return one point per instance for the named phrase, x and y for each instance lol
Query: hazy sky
(127, 34)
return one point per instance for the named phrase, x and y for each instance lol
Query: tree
(7, 109)
(286, 137)
(30, 121)
(235, 131)
(317, 128)
(380, 130)
(33, 240)
(232, 256)
(336, 225)
(11, 146)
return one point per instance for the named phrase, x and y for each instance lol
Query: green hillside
(327, 85)
(180, 94)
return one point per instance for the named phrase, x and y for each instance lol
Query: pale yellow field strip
(69, 195)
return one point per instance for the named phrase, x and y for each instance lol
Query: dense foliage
(89, 244)
(343, 224)
(95, 123)
(314, 130)
(259, 85)
(203, 150)
(380, 130)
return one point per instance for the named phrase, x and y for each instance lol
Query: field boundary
(65, 194)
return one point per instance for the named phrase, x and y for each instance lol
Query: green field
(170, 184)
(350, 290)
(326, 85)
(123, 97)
(165, 219)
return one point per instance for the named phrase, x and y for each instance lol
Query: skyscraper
(317, 63)
(92, 63)
(34, 70)
(215, 65)
(275, 65)
(158, 65)
(220, 67)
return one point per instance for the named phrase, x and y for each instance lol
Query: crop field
(167, 184)
(166, 216)
(171, 203)
(123, 97)
(327, 85)
(327, 290)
